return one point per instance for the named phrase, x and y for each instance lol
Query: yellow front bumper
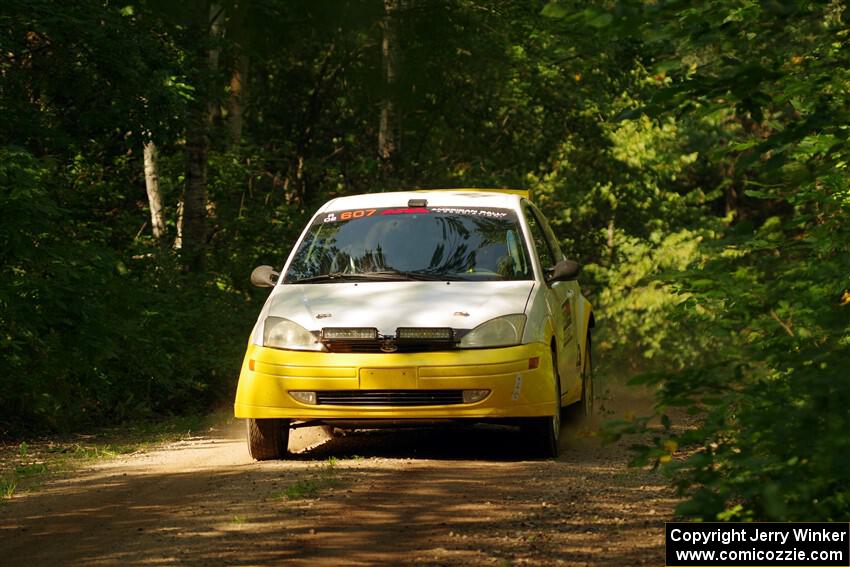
(515, 389)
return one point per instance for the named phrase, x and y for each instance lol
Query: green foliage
(771, 294)
(621, 195)
(692, 156)
(83, 75)
(773, 441)
(88, 336)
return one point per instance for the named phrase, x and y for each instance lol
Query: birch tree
(152, 188)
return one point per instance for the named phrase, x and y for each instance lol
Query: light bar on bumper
(330, 334)
(425, 334)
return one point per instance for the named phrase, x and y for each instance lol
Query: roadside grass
(326, 477)
(7, 487)
(27, 465)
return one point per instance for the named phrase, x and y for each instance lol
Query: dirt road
(415, 497)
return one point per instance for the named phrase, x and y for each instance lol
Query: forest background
(691, 155)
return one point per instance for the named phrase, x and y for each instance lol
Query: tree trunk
(216, 32)
(389, 133)
(238, 95)
(239, 75)
(152, 187)
(178, 238)
(194, 229)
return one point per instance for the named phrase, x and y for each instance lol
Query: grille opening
(375, 346)
(389, 397)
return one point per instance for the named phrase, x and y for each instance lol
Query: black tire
(545, 440)
(544, 433)
(268, 438)
(587, 393)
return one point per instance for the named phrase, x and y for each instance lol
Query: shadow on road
(443, 496)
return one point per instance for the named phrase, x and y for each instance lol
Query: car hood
(389, 305)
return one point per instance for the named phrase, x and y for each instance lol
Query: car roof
(498, 198)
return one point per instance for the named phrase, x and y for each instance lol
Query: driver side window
(541, 244)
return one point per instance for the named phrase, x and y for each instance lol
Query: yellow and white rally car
(414, 307)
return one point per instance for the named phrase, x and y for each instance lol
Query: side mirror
(264, 276)
(564, 271)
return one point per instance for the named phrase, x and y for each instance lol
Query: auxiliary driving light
(446, 334)
(472, 396)
(349, 334)
(304, 397)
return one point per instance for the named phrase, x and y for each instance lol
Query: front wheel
(268, 438)
(544, 433)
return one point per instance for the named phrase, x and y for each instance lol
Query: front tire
(546, 435)
(268, 438)
(545, 432)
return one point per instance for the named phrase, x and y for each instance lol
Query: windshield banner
(343, 216)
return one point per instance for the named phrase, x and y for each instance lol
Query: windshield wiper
(383, 275)
(415, 276)
(326, 277)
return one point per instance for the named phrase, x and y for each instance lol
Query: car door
(574, 339)
(560, 299)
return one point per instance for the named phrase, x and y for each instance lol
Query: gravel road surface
(447, 496)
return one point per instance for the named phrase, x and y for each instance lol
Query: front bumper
(515, 389)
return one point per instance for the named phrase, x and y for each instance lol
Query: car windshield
(412, 243)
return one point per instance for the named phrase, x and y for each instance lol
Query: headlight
(501, 331)
(283, 333)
